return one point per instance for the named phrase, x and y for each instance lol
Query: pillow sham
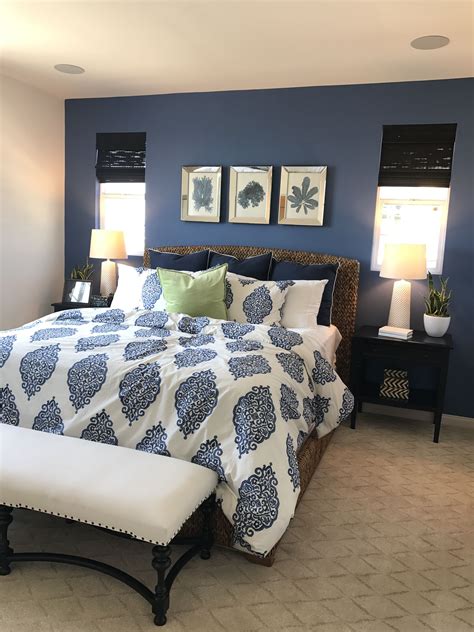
(302, 304)
(193, 262)
(290, 270)
(253, 301)
(200, 294)
(255, 267)
(138, 288)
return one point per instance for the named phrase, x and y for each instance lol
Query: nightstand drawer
(410, 353)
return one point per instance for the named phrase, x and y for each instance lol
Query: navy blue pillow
(292, 271)
(257, 267)
(193, 262)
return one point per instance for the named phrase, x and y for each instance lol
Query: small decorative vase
(436, 326)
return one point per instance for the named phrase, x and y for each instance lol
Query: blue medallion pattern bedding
(237, 398)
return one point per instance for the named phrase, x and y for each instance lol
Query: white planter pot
(436, 326)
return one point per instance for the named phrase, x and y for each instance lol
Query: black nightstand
(60, 307)
(424, 358)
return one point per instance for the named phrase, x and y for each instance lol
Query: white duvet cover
(236, 398)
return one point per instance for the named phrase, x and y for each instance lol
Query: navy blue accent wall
(337, 126)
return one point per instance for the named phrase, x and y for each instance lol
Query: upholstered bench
(136, 494)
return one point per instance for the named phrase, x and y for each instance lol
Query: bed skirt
(308, 459)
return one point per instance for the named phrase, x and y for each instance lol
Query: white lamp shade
(404, 261)
(107, 244)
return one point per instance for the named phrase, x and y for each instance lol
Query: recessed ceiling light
(69, 69)
(430, 42)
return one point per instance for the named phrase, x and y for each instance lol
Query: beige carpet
(382, 541)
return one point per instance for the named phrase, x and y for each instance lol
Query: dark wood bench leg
(5, 550)
(161, 562)
(208, 508)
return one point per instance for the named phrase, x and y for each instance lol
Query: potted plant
(82, 273)
(436, 318)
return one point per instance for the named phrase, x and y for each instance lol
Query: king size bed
(258, 403)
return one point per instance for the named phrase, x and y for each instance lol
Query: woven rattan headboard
(345, 292)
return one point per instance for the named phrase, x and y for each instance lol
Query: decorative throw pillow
(255, 267)
(290, 270)
(138, 288)
(302, 304)
(172, 261)
(199, 294)
(255, 302)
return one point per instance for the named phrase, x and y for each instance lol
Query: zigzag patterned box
(395, 384)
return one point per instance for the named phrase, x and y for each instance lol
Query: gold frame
(185, 175)
(318, 220)
(233, 190)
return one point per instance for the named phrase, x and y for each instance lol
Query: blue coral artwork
(302, 193)
(200, 194)
(249, 197)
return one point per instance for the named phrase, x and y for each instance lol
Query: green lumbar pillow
(200, 295)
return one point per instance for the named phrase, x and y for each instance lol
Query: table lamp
(107, 244)
(404, 262)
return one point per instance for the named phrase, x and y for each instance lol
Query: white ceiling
(162, 46)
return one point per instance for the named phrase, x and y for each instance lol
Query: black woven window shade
(121, 157)
(417, 155)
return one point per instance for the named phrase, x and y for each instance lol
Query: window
(414, 215)
(413, 193)
(122, 207)
(120, 170)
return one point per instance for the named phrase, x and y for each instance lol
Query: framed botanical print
(250, 195)
(201, 194)
(302, 192)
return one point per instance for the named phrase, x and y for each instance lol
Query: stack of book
(396, 332)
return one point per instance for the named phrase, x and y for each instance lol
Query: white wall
(31, 202)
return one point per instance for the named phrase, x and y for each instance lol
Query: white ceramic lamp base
(400, 306)
(108, 277)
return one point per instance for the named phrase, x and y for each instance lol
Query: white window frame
(102, 219)
(408, 195)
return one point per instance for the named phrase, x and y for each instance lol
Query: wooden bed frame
(343, 316)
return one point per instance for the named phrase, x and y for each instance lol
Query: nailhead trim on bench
(98, 524)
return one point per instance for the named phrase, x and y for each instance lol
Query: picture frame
(201, 194)
(250, 191)
(302, 193)
(77, 291)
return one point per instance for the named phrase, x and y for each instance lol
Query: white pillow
(138, 288)
(251, 301)
(302, 304)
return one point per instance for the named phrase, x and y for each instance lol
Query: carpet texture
(382, 541)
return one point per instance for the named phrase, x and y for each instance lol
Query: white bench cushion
(145, 495)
